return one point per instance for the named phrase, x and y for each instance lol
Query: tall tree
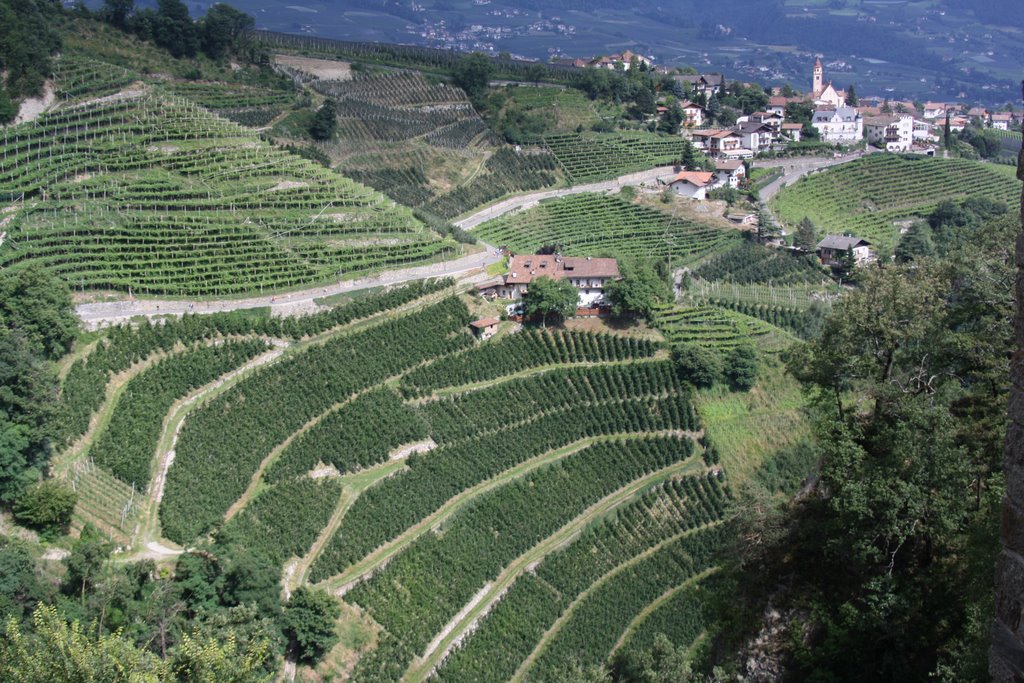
(325, 122)
(222, 30)
(174, 29)
(806, 237)
(851, 96)
(309, 623)
(473, 73)
(639, 291)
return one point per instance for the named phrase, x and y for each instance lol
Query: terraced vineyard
(157, 195)
(80, 77)
(866, 196)
(536, 450)
(600, 225)
(596, 156)
(409, 137)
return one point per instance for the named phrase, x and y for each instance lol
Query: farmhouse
(693, 114)
(588, 275)
(693, 184)
(1002, 121)
(842, 124)
(485, 328)
(757, 137)
(934, 110)
(833, 248)
(892, 133)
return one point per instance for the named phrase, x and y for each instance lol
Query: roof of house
(828, 114)
(937, 105)
(792, 126)
(765, 115)
(706, 133)
(484, 323)
(881, 120)
(525, 267)
(842, 242)
(732, 165)
(487, 284)
(1003, 116)
(687, 104)
(754, 127)
(695, 178)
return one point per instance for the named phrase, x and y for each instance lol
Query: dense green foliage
(28, 38)
(548, 297)
(530, 348)
(245, 423)
(128, 444)
(513, 628)
(37, 325)
(490, 430)
(891, 553)
(639, 291)
(357, 435)
(309, 623)
(752, 263)
(440, 575)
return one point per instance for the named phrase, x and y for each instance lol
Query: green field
(866, 197)
(601, 225)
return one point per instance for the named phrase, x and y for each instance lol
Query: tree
(916, 243)
(308, 622)
(39, 305)
(639, 290)
(116, 12)
(947, 133)
(697, 364)
(174, 29)
(473, 74)
(325, 122)
(645, 105)
(85, 564)
(671, 119)
(662, 663)
(8, 109)
(806, 238)
(47, 506)
(741, 367)
(547, 297)
(851, 96)
(222, 30)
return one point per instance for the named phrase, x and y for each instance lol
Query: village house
(693, 114)
(692, 184)
(770, 119)
(935, 110)
(624, 61)
(757, 137)
(729, 173)
(841, 125)
(485, 328)
(833, 249)
(720, 143)
(893, 133)
(708, 84)
(1002, 121)
(588, 275)
(793, 131)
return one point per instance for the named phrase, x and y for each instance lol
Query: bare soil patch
(327, 69)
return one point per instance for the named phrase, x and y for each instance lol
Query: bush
(309, 623)
(698, 365)
(46, 506)
(741, 367)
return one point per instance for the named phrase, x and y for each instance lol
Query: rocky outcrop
(1006, 658)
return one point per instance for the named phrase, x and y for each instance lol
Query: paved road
(96, 315)
(525, 201)
(796, 168)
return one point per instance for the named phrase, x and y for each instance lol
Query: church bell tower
(819, 73)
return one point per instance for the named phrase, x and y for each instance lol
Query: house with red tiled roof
(589, 276)
(692, 184)
(793, 131)
(1002, 120)
(693, 114)
(729, 172)
(485, 328)
(934, 110)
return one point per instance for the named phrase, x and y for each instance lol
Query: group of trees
(28, 37)
(221, 31)
(37, 326)
(704, 366)
(891, 554)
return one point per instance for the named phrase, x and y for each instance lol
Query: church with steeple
(825, 95)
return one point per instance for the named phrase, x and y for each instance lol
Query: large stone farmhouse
(588, 275)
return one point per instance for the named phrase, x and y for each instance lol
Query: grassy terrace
(866, 196)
